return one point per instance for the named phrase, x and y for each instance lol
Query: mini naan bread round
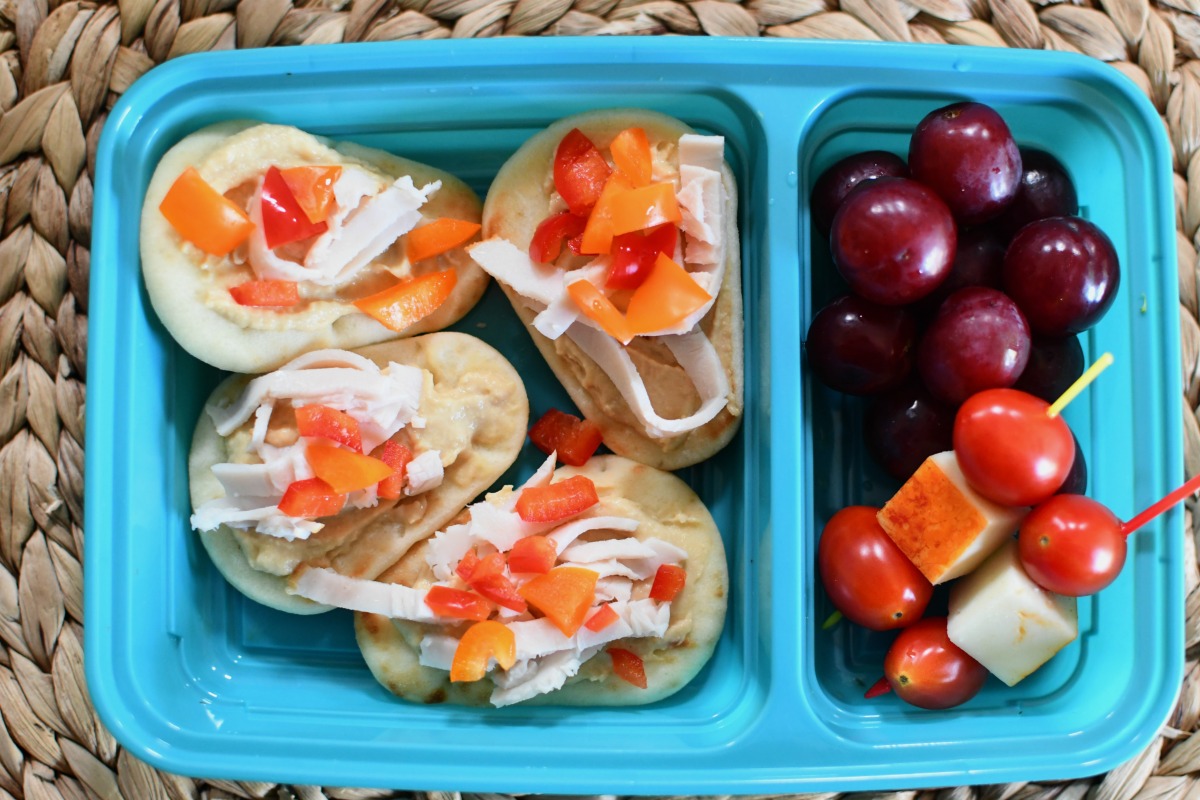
(190, 290)
(666, 509)
(475, 413)
(522, 196)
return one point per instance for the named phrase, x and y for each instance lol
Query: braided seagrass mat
(62, 65)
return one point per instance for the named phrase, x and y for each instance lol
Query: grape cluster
(968, 268)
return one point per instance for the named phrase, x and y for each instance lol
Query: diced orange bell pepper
(603, 617)
(580, 171)
(574, 439)
(482, 642)
(668, 295)
(323, 422)
(598, 233)
(266, 293)
(455, 603)
(409, 302)
(628, 666)
(313, 189)
(563, 595)
(596, 306)
(532, 554)
(631, 153)
(557, 501)
(645, 207)
(668, 582)
(344, 470)
(203, 216)
(438, 236)
(396, 456)
(311, 497)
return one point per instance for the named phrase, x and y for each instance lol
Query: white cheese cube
(1005, 621)
(944, 526)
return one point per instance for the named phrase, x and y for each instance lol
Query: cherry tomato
(928, 670)
(866, 576)
(1010, 450)
(1072, 545)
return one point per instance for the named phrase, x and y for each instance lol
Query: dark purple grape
(1046, 191)
(906, 425)
(858, 347)
(978, 340)
(1055, 362)
(893, 240)
(1076, 481)
(1063, 273)
(966, 153)
(836, 182)
(978, 259)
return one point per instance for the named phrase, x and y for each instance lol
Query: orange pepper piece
(311, 497)
(532, 554)
(344, 470)
(266, 293)
(313, 189)
(563, 595)
(628, 666)
(455, 603)
(438, 236)
(645, 207)
(482, 642)
(631, 153)
(603, 617)
(668, 582)
(596, 306)
(558, 500)
(598, 233)
(203, 216)
(668, 295)
(396, 456)
(323, 422)
(409, 302)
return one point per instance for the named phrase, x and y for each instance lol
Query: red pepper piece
(323, 422)
(396, 456)
(266, 293)
(574, 439)
(558, 500)
(498, 588)
(547, 241)
(603, 617)
(628, 666)
(668, 582)
(580, 172)
(283, 220)
(312, 497)
(447, 602)
(634, 255)
(467, 565)
(532, 554)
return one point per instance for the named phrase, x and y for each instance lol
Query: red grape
(893, 240)
(905, 426)
(836, 182)
(977, 262)
(966, 153)
(1077, 478)
(1072, 545)
(1055, 362)
(859, 347)
(1045, 191)
(1063, 273)
(978, 340)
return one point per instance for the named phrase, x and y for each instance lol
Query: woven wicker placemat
(62, 64)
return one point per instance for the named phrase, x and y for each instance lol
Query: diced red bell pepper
(645, 207)
(548, 238)
(409, 302)
(456, 603)
(634, 254)
(345, 470)
(499, 589)
(532, 554)
(557, 501)
(266, 293)
(580, 172)
(628, 666)
(437, 237)
(563, 595)
(482, 642)
(311, 497)
(313, 189)
(317, 421)
(603, 617)
(631, 153)
(574, 439)
(668, 582)
(596, 306)
(467, 564)
(396, 456)
(668, 295)
(491, 564)
(203, 216)
(283, 220)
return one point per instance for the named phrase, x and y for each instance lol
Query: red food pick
(574, 439)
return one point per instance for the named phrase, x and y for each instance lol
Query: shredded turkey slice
(423, 473)
(565, 534)
(324, 585)
(248, 512)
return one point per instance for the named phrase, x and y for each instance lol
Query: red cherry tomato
(1010, 450)
(1072, 545)
(866, 576)
(928, 670)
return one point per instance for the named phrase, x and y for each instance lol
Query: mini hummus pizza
(261, 242)
(614, 235)
(343, 460)
(598, 585)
